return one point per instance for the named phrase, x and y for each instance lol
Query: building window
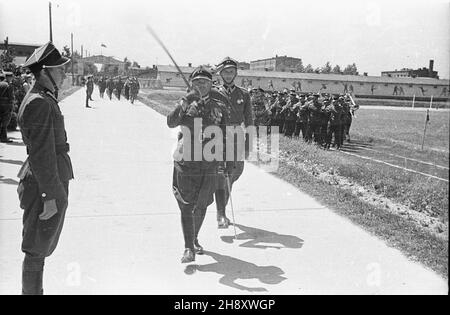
(410, 85)
(284, 80)
(361, 84)
(335, 82)
(309, 81)
(258, 79)
(386, 84)
(435, 86)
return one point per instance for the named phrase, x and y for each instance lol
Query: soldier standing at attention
(6, 108)
(44, 176)
(89, 90)
(240, 114)
(289, 112)
(194, 180)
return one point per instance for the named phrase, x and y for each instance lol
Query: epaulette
(49, 94)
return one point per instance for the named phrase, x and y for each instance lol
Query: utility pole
(50, 20)
(71, 55)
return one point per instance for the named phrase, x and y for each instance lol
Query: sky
(376, 35)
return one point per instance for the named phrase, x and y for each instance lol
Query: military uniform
(289, 112)
(89, 90)
(45, 174)
(102, 86)
(6, 107)
(240, 111)
(109, 88)
(119, 87)
(335, 124)
(301, 123)
(314, 109)
(194, 182)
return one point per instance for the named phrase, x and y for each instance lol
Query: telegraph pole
(50, 20)
(71, 55)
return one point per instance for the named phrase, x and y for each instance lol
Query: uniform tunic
(46, 173)
(194, 181)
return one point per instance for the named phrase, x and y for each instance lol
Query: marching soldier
(194, 181)
(134, 89)
(126, 88)
(240, 114)
(44, 176)
(119, 87)
(6, 107)
(102, 86)
(314, 109)
(109, 87)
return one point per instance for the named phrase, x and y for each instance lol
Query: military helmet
(46, 56)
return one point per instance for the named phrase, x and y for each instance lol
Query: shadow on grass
(233, 269)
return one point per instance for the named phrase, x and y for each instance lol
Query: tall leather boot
(32, 276)
(222, 221)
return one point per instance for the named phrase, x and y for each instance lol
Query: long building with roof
(360, 86)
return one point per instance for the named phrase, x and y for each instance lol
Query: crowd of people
(323, 119)
(14, 85)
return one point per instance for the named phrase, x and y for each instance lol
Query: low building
(410, 73)
(21, 51)
(360, 86)
(277, 63)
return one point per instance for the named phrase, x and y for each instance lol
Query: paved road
(123, 233)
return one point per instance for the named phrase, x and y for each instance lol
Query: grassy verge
(404, 127)
(398, 232)
(425, 195)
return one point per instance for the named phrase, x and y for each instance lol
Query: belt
(60, 149)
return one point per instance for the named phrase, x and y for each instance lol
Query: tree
(326, 68)
(309, 68)
(6, 60)
(351, 69)
(317, 70)
(135, 65)
(299, 66)
(337, 69)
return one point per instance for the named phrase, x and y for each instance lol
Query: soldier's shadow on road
(233, 269)
(8, 181)
(258, 238)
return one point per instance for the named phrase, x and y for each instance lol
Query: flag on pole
(428, 116)
(103, 45)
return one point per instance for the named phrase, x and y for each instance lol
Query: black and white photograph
(224, 154)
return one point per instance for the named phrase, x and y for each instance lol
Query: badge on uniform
(240, 101)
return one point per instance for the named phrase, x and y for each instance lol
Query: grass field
(381, 180)
(404, 126)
